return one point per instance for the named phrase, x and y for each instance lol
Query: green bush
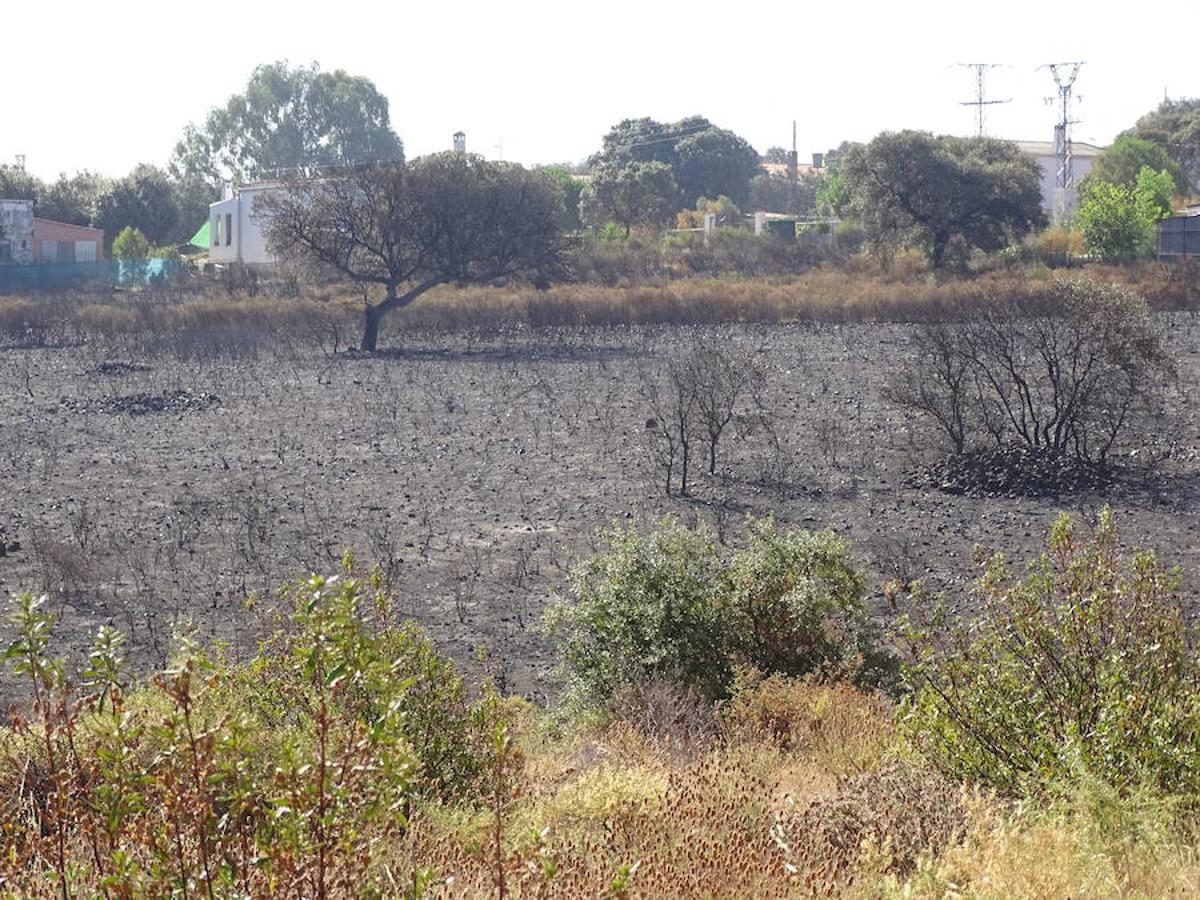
(1085, 664)
(797, 602)
(666, 606)
(648, 609)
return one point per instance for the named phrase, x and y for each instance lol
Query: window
(216, 230)
(85, 251)
(228, 229)
(49, 251)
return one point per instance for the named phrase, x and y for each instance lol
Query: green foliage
(287, 118)
(1117, 220)
(832, 195)
(130, 244)
(144, 199)
(571, 189)
(776, 155)
(917, 189)
(1084, 665)
(1175, 126)
(224, 779)
(664, 606)
(639, 193)
(704, 160)
(1123, 161)
(797, 604)
(647, 609)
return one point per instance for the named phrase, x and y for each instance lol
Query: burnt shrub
(1069, 370)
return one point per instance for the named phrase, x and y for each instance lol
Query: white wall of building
(235, 234)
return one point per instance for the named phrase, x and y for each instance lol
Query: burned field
(159, 491)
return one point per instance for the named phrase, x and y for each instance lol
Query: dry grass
(857, 290)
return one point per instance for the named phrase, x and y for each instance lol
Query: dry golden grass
(857, 290)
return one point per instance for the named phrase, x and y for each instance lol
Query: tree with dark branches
(449, 218)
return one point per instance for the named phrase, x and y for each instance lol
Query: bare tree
(1066, 372)
(409, 227)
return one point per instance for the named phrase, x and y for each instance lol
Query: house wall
(16, 232)
(235, 234)
(1080, 166)
(60, 242)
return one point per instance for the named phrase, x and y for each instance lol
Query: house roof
(39, 220)
(802, 169)
(1046, 148)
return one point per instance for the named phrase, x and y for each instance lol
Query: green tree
(1124, 160)
(704, 160)
(144, 199)
(132, 248)
(639, 193)
(1175, 126)
(778, 193)
(72, 199)
(915, 188)
(715, 162)
(449, 218)
(17, 184)
(776, 155)
(571, 189)
(1117, 221)
(832, 194)
(290, 119)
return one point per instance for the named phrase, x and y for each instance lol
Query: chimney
(460, 142)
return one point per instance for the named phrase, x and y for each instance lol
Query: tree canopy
(1117, 220)
(703, 159)
(1175, 126)
(290, 119)
(144, 199)
(637, 193)
(1121, 162)
(409, 227)
(912, 187)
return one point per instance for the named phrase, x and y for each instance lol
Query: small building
(235, 235)
(1082, 157)
(1179, 235)
(62, 242)
(16, 232)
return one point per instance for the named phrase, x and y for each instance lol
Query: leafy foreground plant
(1084, 666)
(664, 606)
(284, 776)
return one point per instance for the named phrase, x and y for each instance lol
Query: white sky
(106, 85)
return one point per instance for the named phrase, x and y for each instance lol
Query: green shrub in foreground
(1083, 664)
(666, 606)
(221, 779)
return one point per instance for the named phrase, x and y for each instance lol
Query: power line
(980, 102)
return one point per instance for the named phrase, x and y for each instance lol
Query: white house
(235, 235)
(1082, 155)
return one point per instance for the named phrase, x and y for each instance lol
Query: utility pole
(793, 171)
(1064, 74)
(980, 102)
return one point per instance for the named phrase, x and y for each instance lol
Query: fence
(1179, 237)
(51, 276)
